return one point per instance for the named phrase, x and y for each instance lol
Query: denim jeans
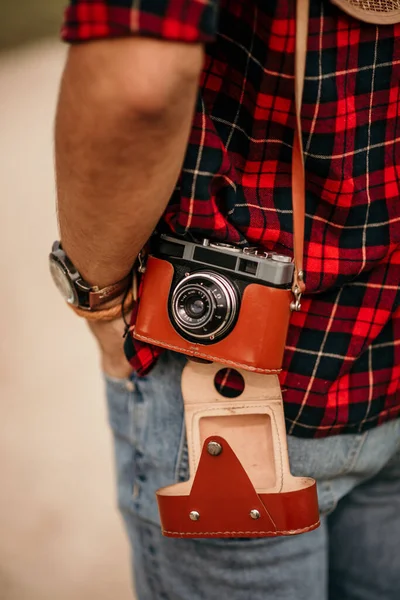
(354, 555)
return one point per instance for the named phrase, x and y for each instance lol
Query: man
(184, 110)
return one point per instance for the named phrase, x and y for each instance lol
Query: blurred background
(60, 533)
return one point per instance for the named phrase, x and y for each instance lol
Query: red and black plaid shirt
(342, 364)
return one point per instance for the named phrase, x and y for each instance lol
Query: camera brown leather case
(240, 482)
(256, 343)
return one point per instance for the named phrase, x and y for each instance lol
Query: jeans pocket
(146, 415)
(126, 409)
(127, 413)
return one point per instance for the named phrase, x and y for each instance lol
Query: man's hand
(109, 336)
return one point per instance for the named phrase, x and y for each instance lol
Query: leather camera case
(249, 473)
(256, 343)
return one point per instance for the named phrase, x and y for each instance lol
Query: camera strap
(379, 12)
(298, 172)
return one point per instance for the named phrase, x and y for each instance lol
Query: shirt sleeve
(179, 20)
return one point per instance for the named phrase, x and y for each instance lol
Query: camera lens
(195, 307)
(204, 306)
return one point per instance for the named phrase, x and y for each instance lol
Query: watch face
(63, 283)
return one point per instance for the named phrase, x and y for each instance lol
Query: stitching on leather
(202, 410)
(215, 533)
(206, 356)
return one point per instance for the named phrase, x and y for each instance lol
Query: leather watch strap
(98, 297)
(106, 314)
(298, 174)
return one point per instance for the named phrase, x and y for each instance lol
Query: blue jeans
(354, 555)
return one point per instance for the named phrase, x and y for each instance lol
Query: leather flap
(223, 496)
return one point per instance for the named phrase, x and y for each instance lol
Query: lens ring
(179, 314)
(222, 311)
(231, 294)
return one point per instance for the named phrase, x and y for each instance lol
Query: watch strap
(99, 296)
(106, 314)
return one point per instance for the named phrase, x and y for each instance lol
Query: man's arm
(122, 126)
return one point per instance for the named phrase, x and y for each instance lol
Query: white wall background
(60, 535)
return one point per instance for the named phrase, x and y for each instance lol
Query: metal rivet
(135, 491)
(130, 385)
(214, 448)
(194, 515)
(255, 514)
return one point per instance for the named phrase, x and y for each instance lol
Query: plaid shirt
(341, 369)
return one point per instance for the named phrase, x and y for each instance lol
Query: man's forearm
(122, 127)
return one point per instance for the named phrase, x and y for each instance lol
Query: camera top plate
(268, 268)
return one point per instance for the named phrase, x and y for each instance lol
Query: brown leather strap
(298, 175)
(106, 314)
(98, 297)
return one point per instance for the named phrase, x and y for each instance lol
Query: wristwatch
(74, 289)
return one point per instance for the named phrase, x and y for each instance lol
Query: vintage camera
(209, 282)
(216, 301)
